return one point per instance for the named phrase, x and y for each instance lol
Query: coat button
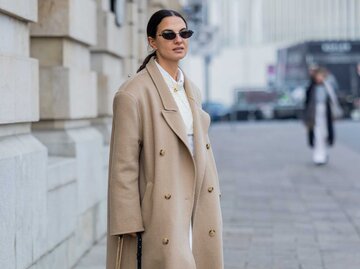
(165, 241)
(212, 233)
(210, 189)
(208, 146)
(167, 196)
(162, 152)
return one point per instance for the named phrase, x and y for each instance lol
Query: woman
(163, 182)
(321, 107)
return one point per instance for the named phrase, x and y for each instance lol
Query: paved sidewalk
(95, 258)
(279, 210)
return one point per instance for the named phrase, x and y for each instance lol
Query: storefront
(341, 58)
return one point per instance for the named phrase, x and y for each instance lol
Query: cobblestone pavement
(279, 210)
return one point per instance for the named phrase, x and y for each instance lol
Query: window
(118, 7)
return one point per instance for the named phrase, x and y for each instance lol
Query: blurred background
(61, 61)
(253, 57)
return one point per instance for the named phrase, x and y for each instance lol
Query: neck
(170, 66)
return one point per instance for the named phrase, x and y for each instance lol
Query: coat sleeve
(123, 182)
(198, 96)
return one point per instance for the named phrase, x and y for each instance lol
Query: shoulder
(196, 91)
(135, 85)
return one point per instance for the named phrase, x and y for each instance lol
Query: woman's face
(319, 78)
(170, 50)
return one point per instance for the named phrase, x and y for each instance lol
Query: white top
(178, 92)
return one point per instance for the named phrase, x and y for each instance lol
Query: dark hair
(152, 25)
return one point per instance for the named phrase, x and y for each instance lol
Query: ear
(152, 42)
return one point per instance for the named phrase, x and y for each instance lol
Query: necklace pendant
(175, 89)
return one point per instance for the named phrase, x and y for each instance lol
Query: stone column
(143, 20)
(108, 61)
(22, 157)
(61, 40)
(132, 26)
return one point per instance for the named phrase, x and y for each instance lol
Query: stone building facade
(61, 62)
(262, 22)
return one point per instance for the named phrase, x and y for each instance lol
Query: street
(279, 210)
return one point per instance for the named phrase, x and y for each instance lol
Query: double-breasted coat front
(156, 186)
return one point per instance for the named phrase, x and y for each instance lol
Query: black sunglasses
(170, 34)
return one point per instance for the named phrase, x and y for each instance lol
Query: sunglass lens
(186, 33)
(169, 35)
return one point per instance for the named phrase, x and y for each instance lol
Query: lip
(178, 49)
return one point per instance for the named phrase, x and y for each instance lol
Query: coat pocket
(119, 248)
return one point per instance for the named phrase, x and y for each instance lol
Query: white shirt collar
(170, 81)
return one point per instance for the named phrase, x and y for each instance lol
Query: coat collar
(166, 98)
(173, 118)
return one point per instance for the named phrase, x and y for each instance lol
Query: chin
(178, 57)
(173, 57)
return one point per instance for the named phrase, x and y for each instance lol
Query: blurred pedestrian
(321, 108)
(163, 192)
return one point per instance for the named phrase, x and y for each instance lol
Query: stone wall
(22, 157)
(61, 61)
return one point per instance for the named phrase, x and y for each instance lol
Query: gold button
(165, 241)
(210, 189)
(175, 89)
(162, 152)
(167, 196)
(212, 233)
(208, 146)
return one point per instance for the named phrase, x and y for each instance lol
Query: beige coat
(156, 185)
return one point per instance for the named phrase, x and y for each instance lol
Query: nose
(178, 38)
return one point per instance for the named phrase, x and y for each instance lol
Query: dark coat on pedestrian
(309, 115)
(155, 184)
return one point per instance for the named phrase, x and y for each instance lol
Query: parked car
(217, 111)
(286, 107)
(255, 104)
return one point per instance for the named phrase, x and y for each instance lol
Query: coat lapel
(200, 133)
(170, 112)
